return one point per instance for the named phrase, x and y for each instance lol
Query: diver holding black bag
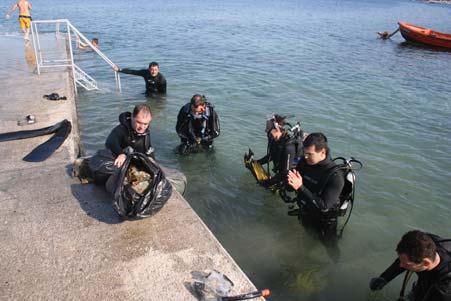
(127, 167)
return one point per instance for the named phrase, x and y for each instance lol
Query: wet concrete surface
(63, 240)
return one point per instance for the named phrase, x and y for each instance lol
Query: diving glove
(377, 283)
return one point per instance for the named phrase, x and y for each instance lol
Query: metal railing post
(71, 56)
(33, 34)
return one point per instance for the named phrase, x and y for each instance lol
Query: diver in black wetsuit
(155, 81)
(429, 256)
(284, 150)
(197, 125)
(132, 132)
(131, 135)
(318, 183)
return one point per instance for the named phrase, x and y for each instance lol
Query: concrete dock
(61, 240)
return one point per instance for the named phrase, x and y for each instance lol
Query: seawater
(386, 103)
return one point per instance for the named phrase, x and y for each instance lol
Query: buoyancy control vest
(190, 126)
(346, 167)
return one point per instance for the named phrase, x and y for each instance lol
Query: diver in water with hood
(197, 125)
(132, 134)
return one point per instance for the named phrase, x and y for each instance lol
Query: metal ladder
(84, 80)
(80, 77)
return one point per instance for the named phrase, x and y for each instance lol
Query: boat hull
(425, 36)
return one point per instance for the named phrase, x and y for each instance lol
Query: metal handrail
(100, 53)
(69, 63)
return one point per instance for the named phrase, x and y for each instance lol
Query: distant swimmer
(24, 16)
(85, 46)
(386, 35)
(155, 81)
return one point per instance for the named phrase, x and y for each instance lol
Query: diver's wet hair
(198, 100)
(95, 40)
(153, 64)
(142, 108)
(316, 139)
(417, 245)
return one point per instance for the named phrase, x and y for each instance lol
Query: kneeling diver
(131, 135)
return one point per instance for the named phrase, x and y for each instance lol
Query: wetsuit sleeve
(183, 128)
(283, 165)
(329, 196)
(161, 84)
(267, 158)
(214, 126)
(392, 271)
(287, 158)
(142, 72)
(114, 142)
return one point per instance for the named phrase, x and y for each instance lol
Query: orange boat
(426, 36)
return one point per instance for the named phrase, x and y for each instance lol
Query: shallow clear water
(386, 103)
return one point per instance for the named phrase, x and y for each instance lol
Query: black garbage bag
(101, 166)
(131, 204)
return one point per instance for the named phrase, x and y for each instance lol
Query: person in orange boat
(24, 16)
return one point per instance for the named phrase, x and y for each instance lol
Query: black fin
(46, 149)
(31, 133)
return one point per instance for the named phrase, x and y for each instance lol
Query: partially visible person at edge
(429, 256)
(132, 134)
(24, 16)
(318, 183)
(155, 81)
(284, 150)
(197, 125)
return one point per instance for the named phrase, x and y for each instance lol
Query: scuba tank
(349, 166)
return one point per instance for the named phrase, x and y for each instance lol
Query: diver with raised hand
(197, 125)
(155, 81)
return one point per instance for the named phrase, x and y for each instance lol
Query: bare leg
(26, 33)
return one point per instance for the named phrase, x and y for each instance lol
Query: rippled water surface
(386, 103)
